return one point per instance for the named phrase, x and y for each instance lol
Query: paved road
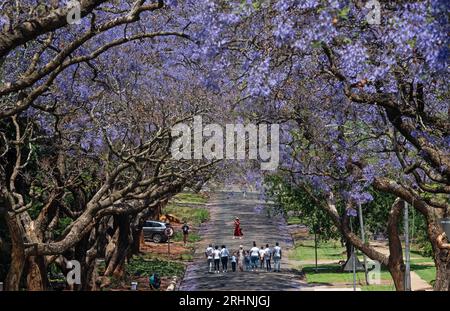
(257, 226)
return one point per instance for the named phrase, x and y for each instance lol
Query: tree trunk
(348, 249)
(396, 265)
(441, 257)
(137, 240)
(115, 265)
(442, 273)
(14, 275)
(36, 273)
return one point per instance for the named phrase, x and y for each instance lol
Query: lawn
(330, 250)
(333, 275)
(190, 197)
(425, 272)
(193, 215)
(192, 237)
(294, 220)
(423, 266)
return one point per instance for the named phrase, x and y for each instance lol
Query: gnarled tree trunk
(17, 265)
(396, 264)
(122, 240)
(36, 273)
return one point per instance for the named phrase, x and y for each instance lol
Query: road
(257, 225)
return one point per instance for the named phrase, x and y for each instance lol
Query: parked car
(154, 231)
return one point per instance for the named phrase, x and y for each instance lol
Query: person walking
(224, 254)
(237, 229)
(241, 258)
(261, 258)
(277, 257)
(216, 256)
(254, 256)
(248, 266)
(185, 229)
(209, 256)
(267, 255)
(233, 262)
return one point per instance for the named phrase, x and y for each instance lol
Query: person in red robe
(237, 229)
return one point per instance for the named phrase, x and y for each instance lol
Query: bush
(202, 214)
(145, 267)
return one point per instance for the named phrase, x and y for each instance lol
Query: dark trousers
(268, 266)
(216, 264)
(225, 263)
(233, 266)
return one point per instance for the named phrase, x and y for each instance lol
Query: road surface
(257, 225)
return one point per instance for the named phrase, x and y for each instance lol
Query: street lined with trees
(87, 109)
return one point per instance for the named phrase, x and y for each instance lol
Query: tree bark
(36, 273)
(122, 241)
(17, 265)
(441, 257)
(137, 239)
(396, 265)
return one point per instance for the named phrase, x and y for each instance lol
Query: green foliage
(376, 212)
(63, 223)
(202, 214)
(146, 267)
(296, 202)
(421, 237)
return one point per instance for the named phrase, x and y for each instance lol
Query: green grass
(192, 237)
(423, 266)
(192, 215)
(189, 197)
(294, 220)
(332, 274)
(145, 267)
(378, 288)
(422, 260)
(425, 272)
(304, 250)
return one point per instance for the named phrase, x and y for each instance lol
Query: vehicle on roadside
(154, 231)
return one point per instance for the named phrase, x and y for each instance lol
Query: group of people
(244, 260)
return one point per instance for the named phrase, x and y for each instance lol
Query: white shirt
(267, 252)
(254, 251)
(216, 254)
(277, 251)
(261, 252)
(224, 252)
(209, 252)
